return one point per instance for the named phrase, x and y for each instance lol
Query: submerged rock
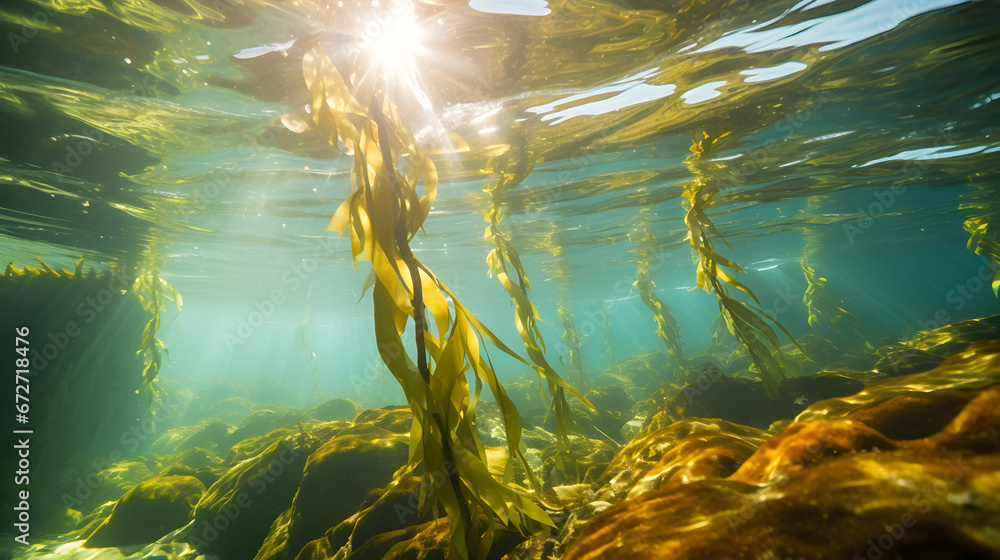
(335, 409)
(148, 511)
(829, 485)
(337, 478)
(234, 515)
(929, 349)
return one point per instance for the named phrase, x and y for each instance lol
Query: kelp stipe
(666, 326)
(745, 321)
(825, 314)
(153, 294)
(512, 167)
(382, 213)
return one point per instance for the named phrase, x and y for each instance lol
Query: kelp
(983, 225)
(153, 294)
(984, 240)
(609, 338)
(382, 214)
(511, 168)
(45, 270)
(666, 326)
(824, 312)
(745, 321)
(573, 340)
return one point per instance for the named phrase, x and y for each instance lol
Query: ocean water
(856, 138)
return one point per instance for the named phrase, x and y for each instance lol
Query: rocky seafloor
(901, 460)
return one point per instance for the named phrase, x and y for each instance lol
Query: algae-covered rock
(336, 479)
(639, 376)
(711, 394)
(148, 511)
(207, 434)
(908, 505)
(687, 450)
(384, 510)
(395, 418)
(334, 409)
(928, 349)
(234, 515)
(612, 409)
(827, 486)
(264, 421)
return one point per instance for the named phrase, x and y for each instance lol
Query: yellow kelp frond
(512, 167)
(823, 308)
(984, 240)
(45, 270)
(745, 320)
(666, 326)
(572, 339)
(382, 213)
(153, 294)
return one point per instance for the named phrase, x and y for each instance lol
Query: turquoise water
(868, 130)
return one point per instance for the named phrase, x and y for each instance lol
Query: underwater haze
(500, 279)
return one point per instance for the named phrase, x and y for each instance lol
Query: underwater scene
(505, 280)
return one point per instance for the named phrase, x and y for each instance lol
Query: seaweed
(382, 214)
(666, 326)
(511, 168)
(153, 293)
(824, 312)
(984, 233)
(572, 339)
(745, 321)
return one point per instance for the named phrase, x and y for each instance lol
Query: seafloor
(898, 461)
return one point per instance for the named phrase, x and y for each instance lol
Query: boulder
(147, 512)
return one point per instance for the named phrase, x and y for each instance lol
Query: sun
(392, 41)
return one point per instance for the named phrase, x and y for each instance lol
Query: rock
(262, 422)
(334, 409)
(337, 478)
(384, 510)
(148, 511)
(687, 450)
(639, 376)
(827, 486)
(930, 348)
(613, 410)
(426, 541)
(395, 418)
(206, 434)
(908, 504)
(974, 368)
(735, 399)
(299, 435)
(234, 515)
